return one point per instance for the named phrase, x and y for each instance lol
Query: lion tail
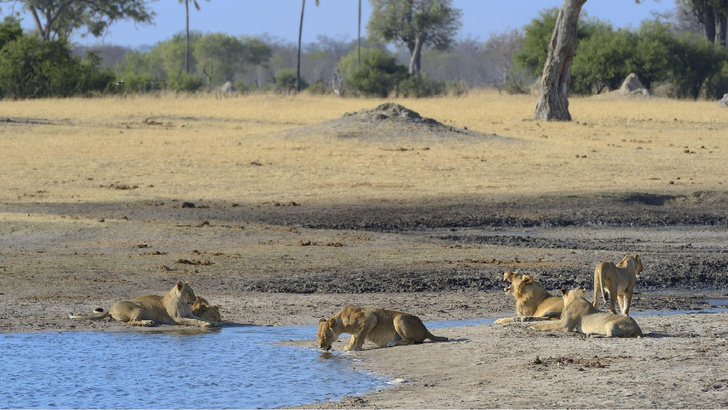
(436, 338)
(599, 284)
(92, 317)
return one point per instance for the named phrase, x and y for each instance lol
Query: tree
(187, 31)
(32, 68)
(713, 15)
(58, 19)
(300, 33)
(9, 30)
(415, 24)
(552, 102)
(377, 75)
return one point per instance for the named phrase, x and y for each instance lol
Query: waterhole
(236, 367)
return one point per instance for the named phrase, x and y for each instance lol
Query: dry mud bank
(679, 363)
(295, 264)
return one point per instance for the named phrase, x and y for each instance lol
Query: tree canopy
(58, 19)
(415, 24)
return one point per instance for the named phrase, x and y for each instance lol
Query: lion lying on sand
(382, 327)
(617, 281)
(173, 308)
(205, 311)
(580, 316)
(533, 302)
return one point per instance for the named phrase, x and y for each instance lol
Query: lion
(382, 327)
(205, 311)
(580, 316)
(533, 302)
(173, 308)
(617, 281)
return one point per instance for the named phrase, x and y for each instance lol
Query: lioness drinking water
(382, 327)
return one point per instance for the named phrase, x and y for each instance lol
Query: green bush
(690, 64)
(286, 81)
(457, 88)
(420, 87)
(317, 89)
(717, 85)
(242, 87)
(31, 68)
(378, 75)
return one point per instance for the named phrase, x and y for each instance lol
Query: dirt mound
(388, 122)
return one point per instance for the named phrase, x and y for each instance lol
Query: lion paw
(148, 323)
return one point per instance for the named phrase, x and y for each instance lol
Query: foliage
(59, 19)
(420, 87)
(377, 76)
(698, 61)
(416, 24)
(31, 68)
(286, 81)
(606, 56)
(599, 62)
(215, 58)
(9, 30)
(717, 85)
(316, 89)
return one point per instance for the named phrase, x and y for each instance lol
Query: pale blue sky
(337, 18)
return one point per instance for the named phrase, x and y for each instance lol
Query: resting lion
(618, 281)
(580, 316)
(382, 327)
(533, 302)
(173, 308)
(205, 311)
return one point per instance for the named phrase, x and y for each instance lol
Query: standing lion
(617, 281)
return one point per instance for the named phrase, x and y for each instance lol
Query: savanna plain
(283, 209)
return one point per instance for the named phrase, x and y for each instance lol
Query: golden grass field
(237, 149)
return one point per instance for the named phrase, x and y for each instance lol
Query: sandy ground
(679, 363)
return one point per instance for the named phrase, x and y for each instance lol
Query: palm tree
(358, 39)
(187, 32)
(300, 32)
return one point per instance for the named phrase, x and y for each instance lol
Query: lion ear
(179, 285)
(564, 291)
(527, 278)
(322, 320)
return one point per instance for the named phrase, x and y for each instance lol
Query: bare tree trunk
(708, 19)
(298, 63)
(552, 102)
(358, 39)
(721, 18)
(416, 57)
(187, 38)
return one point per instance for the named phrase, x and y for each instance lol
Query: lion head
(202, 309)
(637, 265)
(516, 282)
(325, 334)
(185, 293)
(573, 294)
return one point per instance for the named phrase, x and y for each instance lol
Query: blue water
(234, 367)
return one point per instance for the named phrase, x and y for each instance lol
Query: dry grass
(236, 149)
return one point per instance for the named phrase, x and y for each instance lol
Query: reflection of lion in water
(173, 308)
(382, 327)
(533, 302)
(580, 316)
(617, 281)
